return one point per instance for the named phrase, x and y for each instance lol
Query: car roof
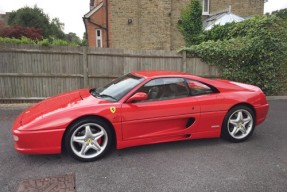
(155, 74)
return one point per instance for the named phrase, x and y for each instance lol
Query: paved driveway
(259, 164)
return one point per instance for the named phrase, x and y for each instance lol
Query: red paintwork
(41, 127)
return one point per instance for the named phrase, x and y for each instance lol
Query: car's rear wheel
(239, 124)
(88, 139)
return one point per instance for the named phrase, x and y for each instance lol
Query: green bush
(45, 42)
(23, 40)
(252, 51)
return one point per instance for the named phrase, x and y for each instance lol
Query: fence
(32, 72)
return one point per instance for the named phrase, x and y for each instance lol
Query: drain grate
(65, 183)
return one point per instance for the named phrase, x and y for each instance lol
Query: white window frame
(99, 38)
(205, 12)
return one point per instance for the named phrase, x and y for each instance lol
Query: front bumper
(261, 113)
(38, 142)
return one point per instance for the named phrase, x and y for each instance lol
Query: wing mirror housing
(140, 96)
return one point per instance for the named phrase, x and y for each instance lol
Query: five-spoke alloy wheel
(88, 139)
(238, 124)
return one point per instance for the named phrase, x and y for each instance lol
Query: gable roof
(221, 19)
(95, 9)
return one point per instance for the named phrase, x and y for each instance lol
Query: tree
(281, 13)
(85, 39)
(30, 17)
(190, 24)
(56, 28)
(35, 17)
(73, 38)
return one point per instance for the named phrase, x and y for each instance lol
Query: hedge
(252, 51)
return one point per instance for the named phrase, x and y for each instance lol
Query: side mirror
(140, 96)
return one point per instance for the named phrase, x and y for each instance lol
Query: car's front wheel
(88, 139)
(239, 124)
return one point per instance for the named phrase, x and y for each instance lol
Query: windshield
(118, 88)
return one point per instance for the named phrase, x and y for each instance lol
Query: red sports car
(140, 108)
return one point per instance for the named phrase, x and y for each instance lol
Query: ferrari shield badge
(113, 109)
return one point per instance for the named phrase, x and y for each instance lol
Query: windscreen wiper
(105, 95)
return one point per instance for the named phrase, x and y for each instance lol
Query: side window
(197, 88)
(165, 88)
(205, 7)
(99, 38)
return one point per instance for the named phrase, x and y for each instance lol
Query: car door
(212, 109)
(168, 111)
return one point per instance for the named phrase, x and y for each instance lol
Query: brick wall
(176, 37)
(153, 23)
(242, 8)
(99, 18)
(122, 34)
(150, 27)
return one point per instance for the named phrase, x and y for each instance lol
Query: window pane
(205, 5)
(98, 33)
(197, 88)
(165, 88)
(99, 43)
(99, 38)
(121, 86)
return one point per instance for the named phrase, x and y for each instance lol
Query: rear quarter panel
(214, 108)
(255, 99)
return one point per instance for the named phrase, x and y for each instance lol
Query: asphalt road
(260, 164)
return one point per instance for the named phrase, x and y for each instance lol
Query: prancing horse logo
(113, 109)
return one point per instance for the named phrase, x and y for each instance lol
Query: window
(118, 88)
(197, 88)
(165, 88)
(99, 38)
(205, 7)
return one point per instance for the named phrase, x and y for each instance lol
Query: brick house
(150, 24)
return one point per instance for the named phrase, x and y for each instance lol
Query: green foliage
(35, 17)
(30, 17)
(252, 51)
(23, 40)
(44, 42)
(56, 29)
(73, 38)
(280, 13)
(190, 24)
(85, 39)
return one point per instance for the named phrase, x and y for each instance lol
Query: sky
(70, 12)
(273, 5)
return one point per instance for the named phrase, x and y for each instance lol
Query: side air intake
(189, 122)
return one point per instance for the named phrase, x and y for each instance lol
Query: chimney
(92, 3)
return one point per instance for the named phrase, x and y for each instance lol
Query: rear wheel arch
(87, 117)
(246, 105)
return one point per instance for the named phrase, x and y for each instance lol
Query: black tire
(235, 128)
(84, 145)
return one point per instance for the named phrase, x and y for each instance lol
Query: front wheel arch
(85, 117)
